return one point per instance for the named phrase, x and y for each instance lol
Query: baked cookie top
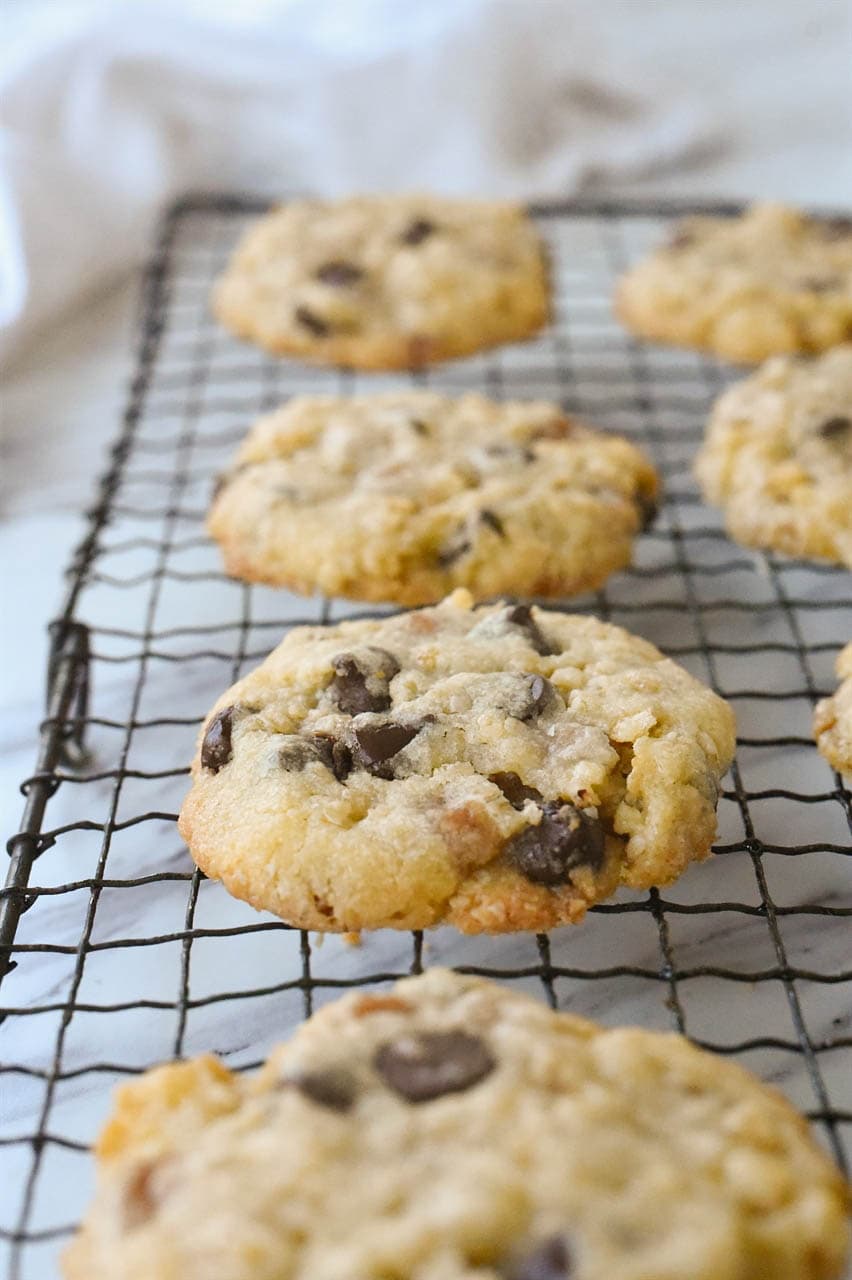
(404, 495)
(450, 1129)
(768, 282)
(386, 282)
(778, 457)
(497, 768)
(833, 718)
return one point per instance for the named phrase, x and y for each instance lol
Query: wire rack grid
(116, 954)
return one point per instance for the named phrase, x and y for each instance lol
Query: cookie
(406, 495)
(778, 457)
(497, 768)
(768, 282)
(450, 1129)
(386, 282)
(833, 718)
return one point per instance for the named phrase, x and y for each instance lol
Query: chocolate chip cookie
(450, 1129)
(778, 457)
(768, 282)
(833, 718)
(405, 495)
(386, 282)
(497, 768)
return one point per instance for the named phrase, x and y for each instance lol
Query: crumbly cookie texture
(833, 718)
(778, 457)
(768, 282)
(497, 768)
(450, 1129)
(386, 282)
(406, 495)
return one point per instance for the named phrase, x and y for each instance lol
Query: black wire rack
(116, 954)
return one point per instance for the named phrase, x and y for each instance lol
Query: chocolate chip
(305, 317)
(338, 272)
(565, 838)
(515, 791)
(548, 1261)
(333, 1088)
(520, 615)
(835, 428)
(295, 752)
(536, 695)
(298, 750)
(420, 427)
(216, 747)
(362, 682)
(349, 688)
(341, 759)
(493, 521)
(417, 231)
(429, 1064)
(454, 550)
(648, 510)
(376, 744)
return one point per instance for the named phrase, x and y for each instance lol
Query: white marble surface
(74, 403)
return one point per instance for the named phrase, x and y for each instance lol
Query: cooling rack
(116, 954)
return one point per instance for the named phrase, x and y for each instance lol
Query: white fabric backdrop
(108, 112)
(769, 80)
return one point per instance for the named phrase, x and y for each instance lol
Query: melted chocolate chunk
(493, 521)
(362, 683)
(420, 427)
(377, 744)
(216, 747)
(299, 750)
(835, 428)
(341, 759)
(536, 695)
(520, 615)
(648, 511)
(565, 838)
(295, 752)
(515, 791)
(339, 272)
(417, 231)
(429, 1064)
(454, 550)
(548, 1261)
(333, 1088)
(314, 323)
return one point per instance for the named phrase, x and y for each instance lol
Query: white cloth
(108, 113)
